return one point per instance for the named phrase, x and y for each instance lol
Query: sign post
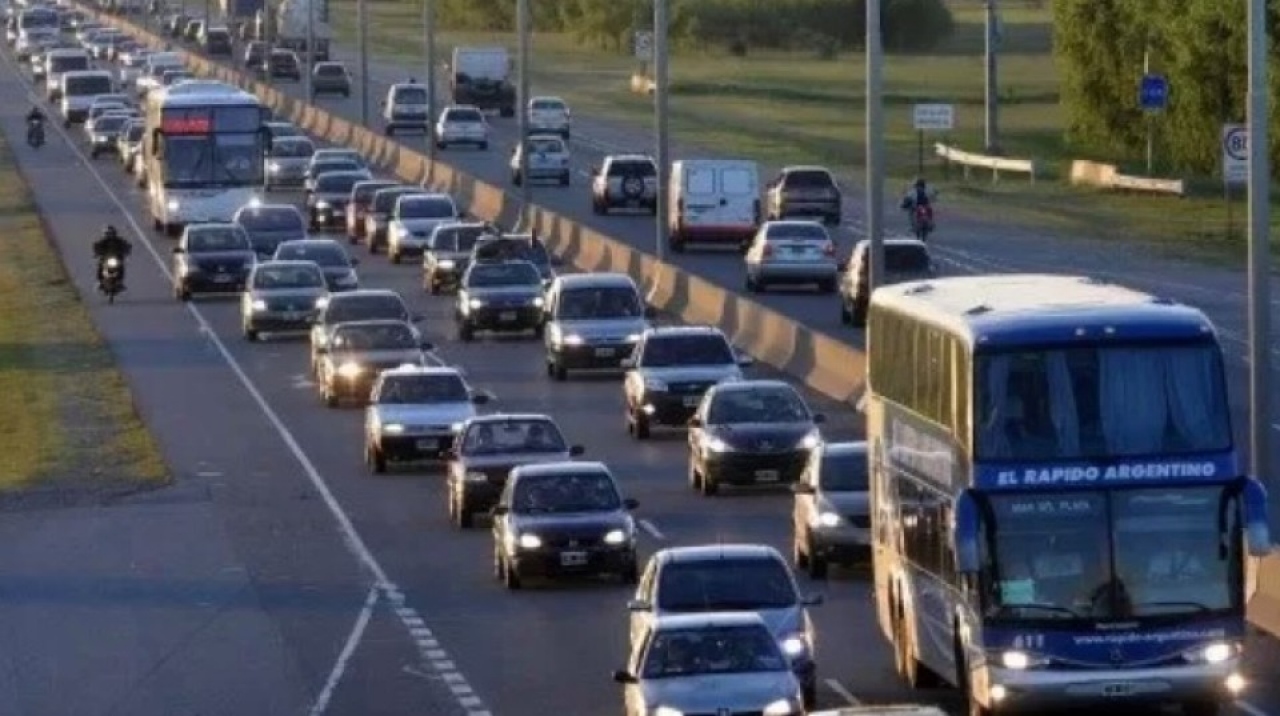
(1153, 97)
(642, 50)
(930, 118)
(1235, 164)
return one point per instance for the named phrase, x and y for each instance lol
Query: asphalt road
(536, 652)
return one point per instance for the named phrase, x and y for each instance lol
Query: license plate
(1118, 689)
(428, 444)
(223, 278)
(767, 476)
(573, 559)
(691, 401)
(604, 352)
(507, 316)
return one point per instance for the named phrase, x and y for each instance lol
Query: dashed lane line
(651, 529)
(842, 692)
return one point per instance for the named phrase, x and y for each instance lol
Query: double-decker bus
(1059, 513)
(203, 156)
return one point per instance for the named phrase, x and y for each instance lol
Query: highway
(537, 652)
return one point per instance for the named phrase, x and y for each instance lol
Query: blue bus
(1059, 513)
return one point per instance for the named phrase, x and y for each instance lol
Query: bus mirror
(965, 534)
(1257, 533)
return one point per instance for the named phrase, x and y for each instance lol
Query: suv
(625, 181)
(593, 322)
(407, 106)
(804, 191)
(905, 259)
(670, 370)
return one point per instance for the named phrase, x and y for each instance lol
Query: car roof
(510, 417)
(805, 168)
(672, 622)
(364, 292)
(716, 552)
(412, 369)
(845, 447)
(595, 280)
(895, 241)
(346, 173)
(794, 222)
(269, 207)
(467, 107)
(312, 243)
(564, 467)
(631, 158)
(338, 151)
(288, 263)
(741, 385)
(429, 196)
(547, 136)
(368, 323)
(665, 331)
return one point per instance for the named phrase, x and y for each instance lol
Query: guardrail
(820, 361)
(1108, 176)
(969, 161)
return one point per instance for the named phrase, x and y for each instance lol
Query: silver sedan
(792, 253)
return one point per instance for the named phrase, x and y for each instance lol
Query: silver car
(731, 577)
(287, 161)
(448, 253)
(594, 321)
(831, 520)
(129, 143)
(670, 370)
(281, 296)
(412, 220)
(338, 266)
(792, 253)
(548, 160)
(105, 134)
(708, 663)
(462, 124)
(905, 259)
(414, 413)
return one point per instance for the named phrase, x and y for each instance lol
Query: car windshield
(426, 207)
(633, 169)
(553, 105)
(808, 179)
(337, 183)
(278, 277)
(456, 238)
(384, 200)
(411, 95)
(322, 255)
(270, 219)
(284, 129)
(678, 653)
(376, 337)
(134, 133)
(330, 71)
(668, 351)
(493, 437)
(363, 191)
(219, 239)
(343, 308)
(461, 115)
(505, 274)
(514, 249)
(843, 472)
(572, 492)
(905, 259)
(299, 148)
(109, 124)
(599, 303)
(797, 231)
(725, 585)
(333, 165)
(80, 86)
(423, 390)
(757, 405)
(336, 155)
(546, 145)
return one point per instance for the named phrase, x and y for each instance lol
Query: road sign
(643, 44)
(1235, 153)
(1153, 93)
(935, 117)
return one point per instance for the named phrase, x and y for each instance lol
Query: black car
(751, 433)
(339, 268)
(269, 225)
(327, 201)
(669, 371)
(320, 166)
(283, 64)
(217, 42)
(485, 451)
(356, 354)
(358, 305)
(500, 296)
(330, 78)
(563, 518)
(516, 247)
(211, 258)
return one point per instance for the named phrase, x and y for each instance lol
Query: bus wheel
(915, 674)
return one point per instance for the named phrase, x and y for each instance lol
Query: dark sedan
(338, 267)
(563, 518)
(211, 258)
(502, 297)
(751, 433)
(327, 201)
(269, 225)
(358, 352)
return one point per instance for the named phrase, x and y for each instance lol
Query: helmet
(920, 183)
(110, 232)
(413, 81)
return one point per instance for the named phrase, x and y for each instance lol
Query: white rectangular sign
(935, 117)
(643, 41)
(1235, 153)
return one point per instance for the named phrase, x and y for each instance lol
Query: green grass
(788, 108)
(67, 417)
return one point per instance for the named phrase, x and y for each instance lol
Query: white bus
(203, 157)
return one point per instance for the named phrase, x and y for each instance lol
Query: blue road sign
(1153, 93)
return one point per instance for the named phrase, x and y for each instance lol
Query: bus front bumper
(1033, 691)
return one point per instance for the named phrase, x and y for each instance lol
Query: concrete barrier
(969, 160)
(1108, 176)
(641, 84)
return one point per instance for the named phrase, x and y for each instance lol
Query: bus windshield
(1101, 402)
(1124, 554)
(213, 160)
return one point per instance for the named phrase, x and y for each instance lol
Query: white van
(79, 88)
(713, 200)
(59, 62)
(153, 71)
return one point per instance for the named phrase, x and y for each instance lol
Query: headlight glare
(537, 301)
(476, 477)
(1017, 660)
(633, 338)
(828, 519)
(781, 707)
(447, 264)
(475, 303)
(615, 537)
(1216, 653)
(393, 428)
(350, 370)
(655, 385)
(667, 711)
(715, 444)
(259, 305)
(529, 541)
(172, 205)
(810, 441)
(793, 646)
(572, 340)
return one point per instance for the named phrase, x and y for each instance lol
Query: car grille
(291, 304)
(859, 521)
(695, 387)
(509, 302)
(221, 266)
(725, 713)
(572, 539)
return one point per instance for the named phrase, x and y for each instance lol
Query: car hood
(847, 503)
(603, 329)
(588, 525)
(381, 359)
(437, 414)
(505, 292)
(711, 693)
(279, 293)
(503, 462)
(336, 271)
(277, 233)
(763, 437)
(693, 374)
(222, 257)
(421, 227)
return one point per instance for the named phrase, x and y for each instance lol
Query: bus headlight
(350, 370)
(1020, 660)
(828, 519)
(172, 205)
(1215, 653)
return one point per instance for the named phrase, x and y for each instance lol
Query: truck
(481, 77)
(291, 28)
(239, 10)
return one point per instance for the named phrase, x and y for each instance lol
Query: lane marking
(842, 692)
(1249, 708)
(651, 529)
(348, 649)
(351, 537)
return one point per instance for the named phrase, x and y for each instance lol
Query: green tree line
(734, 25)
(1199, 45)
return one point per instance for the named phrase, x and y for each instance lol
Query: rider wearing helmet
(35, 115)
(919, 196)
(111, 244)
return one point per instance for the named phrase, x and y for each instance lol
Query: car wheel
(181, 293)
(859, 314)
(250, 334)
(433, 287)
(539, 330)
(330, 398)
(375, 459)
(809, 695)
(462, 515)
(558, 371)
(815, 565)
(510, 577)
(639, 424)
(394, 256)
(708, 485)
(630, 575)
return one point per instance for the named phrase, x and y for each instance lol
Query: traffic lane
(1262, 654)
(286, 593)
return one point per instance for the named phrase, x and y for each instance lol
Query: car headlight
(1212, 654)
(447, 264)
(794, 646)
(322, 301)
(572, 339)
(475, 303)
(715, 444)
(455, 428)
(393, 429)
(255, 202)
(633, 338)
(828, 519)
(810, 441)
(322, 204)
(529, 541)
(781, 707)
(537, 301)
(273, 167)
(113, 262)
(475, 477)
(615, 537)
(667, 711)
(172, 205)
(259, 305)
(655, 385)
(350, 370)
(1020, 660)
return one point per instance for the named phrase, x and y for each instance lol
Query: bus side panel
(884, 553)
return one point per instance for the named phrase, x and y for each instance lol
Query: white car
(462, 124)
(548, 160)
(549, 115)
(412, 221)
(413, 412)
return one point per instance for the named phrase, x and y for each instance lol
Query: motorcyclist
(35, 122)
(920, 195)
(111, 244)
(35, 115)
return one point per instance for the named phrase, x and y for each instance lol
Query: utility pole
(362, 23)
(309, 61)
(992, 49)
(661, 120)
(875, 145)
(1259, 247)
(429, 53)
(523, 29)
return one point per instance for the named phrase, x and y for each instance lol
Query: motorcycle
(922, 221)
(111, 284)
(35, 133)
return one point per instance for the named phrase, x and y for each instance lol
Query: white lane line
(349, 648)
(651, 529)
(351, 537)
(1250, 709)
(842, 692)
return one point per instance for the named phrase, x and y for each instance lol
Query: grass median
(67, 419)
(787, 108)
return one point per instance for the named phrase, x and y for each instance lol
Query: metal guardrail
(969, 161)
(1108, 176)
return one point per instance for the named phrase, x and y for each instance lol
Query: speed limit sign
(1235, 153)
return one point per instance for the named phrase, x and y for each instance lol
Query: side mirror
(650, 312)
(812, 600)
(622, 676)
(819, 418)
(417, 318)
(427, 346)
(802, 488)
(499, 510)
(631, 503)
(178, 250)
(576, 450)
(479, 398)
(745, 360)
(637, 605)
(695, 422)
(627, 363)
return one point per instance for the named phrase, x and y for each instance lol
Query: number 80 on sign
(1235, 153)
